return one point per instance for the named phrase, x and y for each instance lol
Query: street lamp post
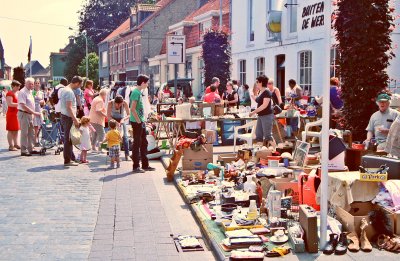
(87, 62)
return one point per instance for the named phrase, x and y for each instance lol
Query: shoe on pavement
(34, 152)
(71, 163)
(149, 168)
(17, 147)
(11, 148)
(27, 154)
(138, 170)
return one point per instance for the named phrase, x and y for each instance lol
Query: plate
(281, 240)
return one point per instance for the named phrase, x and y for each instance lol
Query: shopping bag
(75, 136)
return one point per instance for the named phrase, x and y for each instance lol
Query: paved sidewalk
(49, 212)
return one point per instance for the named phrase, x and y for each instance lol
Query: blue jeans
(68, 153)
(264, 127)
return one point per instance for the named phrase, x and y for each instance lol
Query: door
(280, 73)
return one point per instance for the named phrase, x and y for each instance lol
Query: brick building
(193, 27)
(140, 37)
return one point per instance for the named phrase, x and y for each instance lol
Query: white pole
(220, 14)
(325, 125)
(30, 62)
(87, 63)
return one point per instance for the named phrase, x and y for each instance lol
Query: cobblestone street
(49, 212)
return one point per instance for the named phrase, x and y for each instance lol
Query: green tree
(217, 56)
(363, 33)
(76, 54)
(100, 17)
(93, 66)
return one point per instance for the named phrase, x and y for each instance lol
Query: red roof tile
(211, 5)
(192, 34)
(124, 27)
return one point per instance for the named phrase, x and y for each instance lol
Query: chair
(248, 137)
(308, 133)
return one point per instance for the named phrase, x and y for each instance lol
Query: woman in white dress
(39, 102)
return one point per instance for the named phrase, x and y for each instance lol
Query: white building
(296, 52)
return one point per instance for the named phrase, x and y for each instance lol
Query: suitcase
(373, 161)
(309, 222)
(308, 186)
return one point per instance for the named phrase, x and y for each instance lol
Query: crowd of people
(86, 110)
(89, 110)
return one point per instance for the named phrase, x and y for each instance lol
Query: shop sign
(373, 177)
(312, 15)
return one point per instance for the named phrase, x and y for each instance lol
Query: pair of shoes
(365, 244)
(84, 162)
(71, 163)
(27, 154)
(388, 243)
(138, 170)
(35, 152)
(148, 168)
(339, 246)
(17, 147)
(11, 148)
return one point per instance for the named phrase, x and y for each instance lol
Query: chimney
(133, 17)
(71, 40)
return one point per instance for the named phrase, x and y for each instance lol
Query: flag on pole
(30, 50)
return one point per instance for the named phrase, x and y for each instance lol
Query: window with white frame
(127, 52)
(167, 72)
(292, 10)
(104, 61)
(251, 20)
(260, 66)
(188, 67)
(119, 53)
(305, 71)
(115, 55)
(111, 56)
(242, 71)
(333, 64)
(203, 28)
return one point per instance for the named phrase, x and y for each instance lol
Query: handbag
(277, 109)
(75, 136)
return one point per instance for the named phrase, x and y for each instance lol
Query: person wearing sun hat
(381, 121)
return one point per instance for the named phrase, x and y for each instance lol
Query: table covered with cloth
(346, 187)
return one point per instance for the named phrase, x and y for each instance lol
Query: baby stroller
(51, 133)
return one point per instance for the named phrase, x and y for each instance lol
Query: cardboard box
(207, 105)
(227, 158)
(286, 184)
(396, 217)
(351, 218)
(201, 154)
(211, 135)
(195, 164)
(219, 110)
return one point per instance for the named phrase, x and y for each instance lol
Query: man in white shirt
(26, 111)
(63, 83)
(68, 107)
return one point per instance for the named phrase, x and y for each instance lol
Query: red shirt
(212, 97)
(208, 90)
(168, 92)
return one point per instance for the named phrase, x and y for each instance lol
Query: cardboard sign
(373, 177)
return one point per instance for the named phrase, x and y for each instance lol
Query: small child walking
(85, 138)
(113, 138)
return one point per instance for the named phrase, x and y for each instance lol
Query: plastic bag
(75, 136)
